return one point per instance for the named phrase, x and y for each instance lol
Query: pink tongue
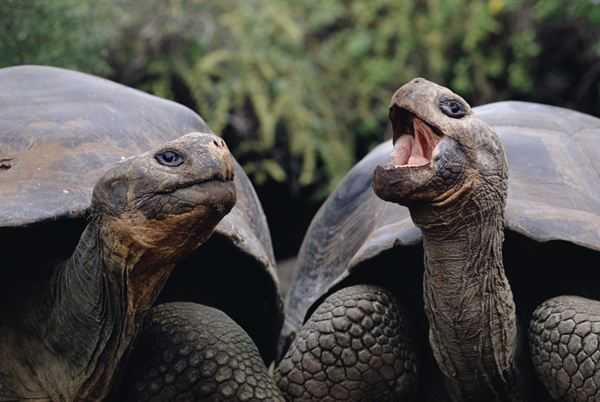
(402, 150)
(417, 156)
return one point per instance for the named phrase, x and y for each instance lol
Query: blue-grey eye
(169, 158)
(452, 108)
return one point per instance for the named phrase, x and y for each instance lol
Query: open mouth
(414, 140)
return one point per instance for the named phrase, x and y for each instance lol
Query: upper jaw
(414, 140)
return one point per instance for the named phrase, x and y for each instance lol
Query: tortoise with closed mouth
(106, 194)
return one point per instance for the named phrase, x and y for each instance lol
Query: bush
(63, 33)
(300, 88)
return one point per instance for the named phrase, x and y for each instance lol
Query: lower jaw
(397, 184)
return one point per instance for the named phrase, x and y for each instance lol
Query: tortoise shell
(60, 130)
(552, 218)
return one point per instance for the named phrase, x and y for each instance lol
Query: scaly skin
(474, 331)
(191, 352)
(564, 336)
(355, 347)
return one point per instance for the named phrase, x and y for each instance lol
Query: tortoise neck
(468, 300)
(78, 329)
(88, 298)
(95, 294)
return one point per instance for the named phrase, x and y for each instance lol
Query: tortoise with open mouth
(481, 284)
(104, 200)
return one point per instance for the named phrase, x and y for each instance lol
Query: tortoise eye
(169, 158)
(452, 108)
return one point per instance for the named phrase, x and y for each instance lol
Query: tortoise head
(162, 204)
(442, 153)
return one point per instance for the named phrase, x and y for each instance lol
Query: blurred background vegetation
(299, 89)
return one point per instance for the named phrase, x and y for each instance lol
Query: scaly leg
(354, 347)
(191, 352)
(564, 338)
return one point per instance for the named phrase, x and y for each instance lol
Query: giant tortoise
(480, 252)
(81, 265)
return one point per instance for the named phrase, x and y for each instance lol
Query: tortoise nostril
(219, 143)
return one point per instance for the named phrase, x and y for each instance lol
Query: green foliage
(372, 47)
(304, 86)
(65, 33)
(300, 88)
(277, 84)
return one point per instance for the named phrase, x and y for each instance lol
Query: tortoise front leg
(190, 352)
(564, 338)
(355, 347)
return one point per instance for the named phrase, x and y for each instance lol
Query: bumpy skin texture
(191, 352)
(564, 336)
(354, 347)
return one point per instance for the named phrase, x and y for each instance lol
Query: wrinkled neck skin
(468, 301)
(78, 336)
